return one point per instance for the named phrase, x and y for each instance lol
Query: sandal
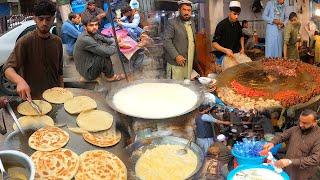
(116, 77)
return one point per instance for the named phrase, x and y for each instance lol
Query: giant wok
(189, 85)
(269, 83)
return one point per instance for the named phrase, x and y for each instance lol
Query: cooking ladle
(184, 150)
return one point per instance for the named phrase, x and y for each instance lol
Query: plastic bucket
(245, 167)
(247, 160)
(78, 8)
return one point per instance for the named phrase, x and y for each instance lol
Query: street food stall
(85, 127)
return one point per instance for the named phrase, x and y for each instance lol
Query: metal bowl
(20, 159)
(192, 86)
(136, 149)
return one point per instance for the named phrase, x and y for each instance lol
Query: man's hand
(242, 51)
(276, 21)
(180, 60)
(23, 90)
(119, 23)
(268, 146)
(229, 53)
(282, 163)
(212, 87)
(3, 101)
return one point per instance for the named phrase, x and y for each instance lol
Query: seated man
(70, 31)
(92, 53)
(130, 21)
(93, 11)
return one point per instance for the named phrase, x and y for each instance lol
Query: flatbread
(34, 121)
(77, 130)
(48, 139)
(94, 120)
(103, 138)
(26, 109)
(57, 95)
(100, 164)
(155, 100)
(59, 164)
(79, 104)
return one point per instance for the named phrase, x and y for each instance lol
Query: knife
(14, 117)
(36, 107)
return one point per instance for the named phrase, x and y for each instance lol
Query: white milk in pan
(155, 100)
(257, 174)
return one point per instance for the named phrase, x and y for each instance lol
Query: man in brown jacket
(303, 147)
(36, 63)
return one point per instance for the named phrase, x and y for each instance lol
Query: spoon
(4, 174)
(184, 150)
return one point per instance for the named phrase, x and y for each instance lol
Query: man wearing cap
(228, 38)
(274, 15)
(179, 43)
(93, 11)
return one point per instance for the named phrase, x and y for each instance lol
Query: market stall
(83, 141)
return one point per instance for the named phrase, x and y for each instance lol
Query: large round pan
(191, 85)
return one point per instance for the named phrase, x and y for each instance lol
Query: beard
(185, 17)
(43, 30)
(306, 130)
(92, 33)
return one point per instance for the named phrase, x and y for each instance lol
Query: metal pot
(136, 149)
(19, 158)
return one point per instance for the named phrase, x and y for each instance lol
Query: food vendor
(228, 38)
(303, 151)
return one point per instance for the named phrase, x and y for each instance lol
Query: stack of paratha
(59, 164)
(57, 95)
(99, 164)
(48, 139)
(79, 104)
(26, 109)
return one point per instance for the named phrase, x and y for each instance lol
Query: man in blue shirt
(204, 128)
(70, 31)
(130, 21)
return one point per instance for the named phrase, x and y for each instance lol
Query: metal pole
(116, 41)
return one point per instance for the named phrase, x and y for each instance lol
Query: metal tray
(192, 86)
(139, 147)
(15, 140)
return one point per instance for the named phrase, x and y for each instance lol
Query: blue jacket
(69, 34)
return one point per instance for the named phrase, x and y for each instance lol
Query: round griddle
(253, 75)
(191, 85)
(17, 141)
